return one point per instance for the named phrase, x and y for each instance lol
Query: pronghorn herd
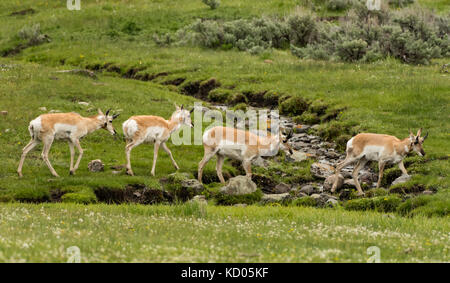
(218, 141)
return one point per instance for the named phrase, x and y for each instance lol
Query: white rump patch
(129, 127)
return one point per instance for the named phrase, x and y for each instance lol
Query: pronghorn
(382, 148)
(154, 129)
(239, 145)
(64, 126)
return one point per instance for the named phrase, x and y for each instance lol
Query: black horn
(115, 116)
(192, 110)
(425, 137)
(106, 114)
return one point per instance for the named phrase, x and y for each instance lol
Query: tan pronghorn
(64, 126)
(382, 148)
(239, 145)
(153, 129)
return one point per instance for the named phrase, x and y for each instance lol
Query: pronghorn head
(417, 141)
(107, 120)
(183, 115)
(285, 140)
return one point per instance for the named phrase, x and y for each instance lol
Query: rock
(308, 189)
(301, 128)
(260, 162)
(367, 177)
(271, 198)
(96, 165)
(240, 185)
(402, 179)
(427, 192)
(43, 108)
(281, 188)
(332, 202)
(298, 156)
(321, 170)
(332, 154)
(4, 112)
(83, 103)
(193, 184)
(315, 196)
(199, 199)
(350, 182)
(329, 181)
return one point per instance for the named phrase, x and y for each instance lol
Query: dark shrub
(352, 50)
(293, 106)
(302, 29)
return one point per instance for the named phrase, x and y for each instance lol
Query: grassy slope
(386, 97)
(216, 234)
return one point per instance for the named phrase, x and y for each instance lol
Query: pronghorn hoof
(20, 174)
(130, 173)
(72, 172)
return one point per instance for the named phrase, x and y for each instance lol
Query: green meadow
(115, 39)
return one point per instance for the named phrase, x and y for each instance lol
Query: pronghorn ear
(115, 116)
(419, 132)
(176, 106)
(99, 111)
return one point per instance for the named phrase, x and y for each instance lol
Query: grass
(105, 233)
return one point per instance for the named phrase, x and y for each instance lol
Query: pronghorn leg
(155, 156)
(381, 165)
(25, 151)
(209, 153)
(72, 155)
(128, 149)
(47, 145)
(166, 149)
(219, 164)
(402, 168)
(358, 167)
(247, 164)
(348, 160)
(80, 155)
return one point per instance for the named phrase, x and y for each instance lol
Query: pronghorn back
(136, 126)
(357, 143)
